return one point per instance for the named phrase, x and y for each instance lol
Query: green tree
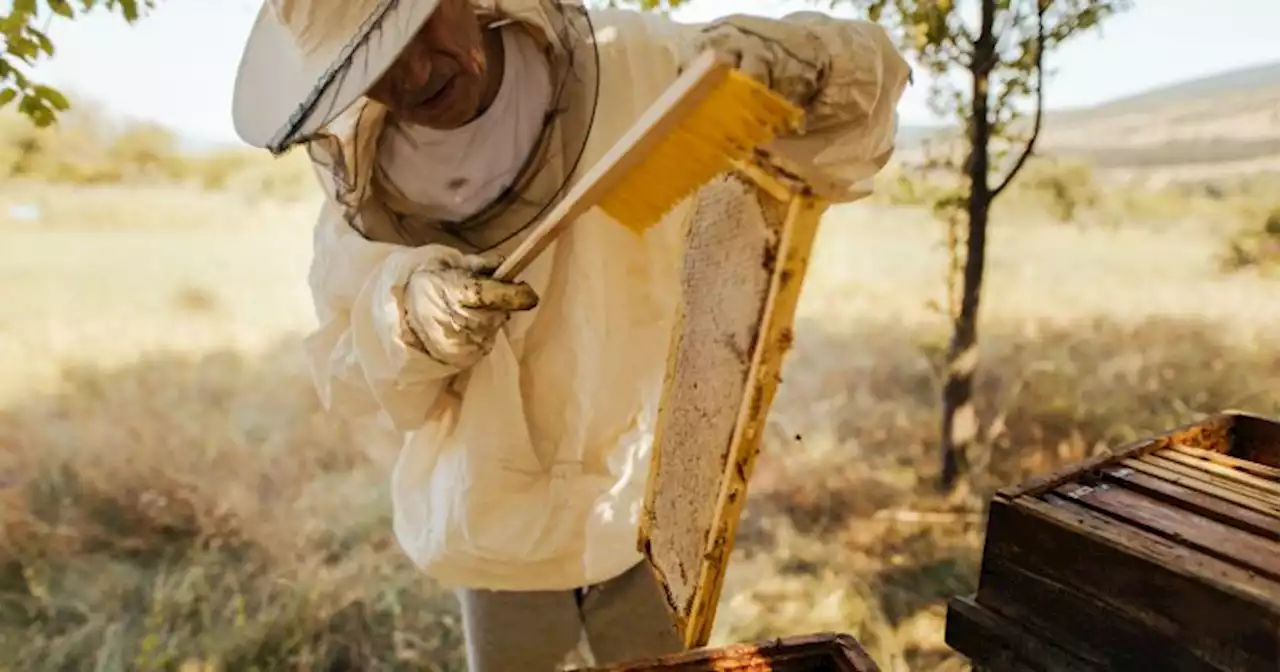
(987, 59)
(26, 41)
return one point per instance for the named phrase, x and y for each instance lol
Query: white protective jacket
(531, 474)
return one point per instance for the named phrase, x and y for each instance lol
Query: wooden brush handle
(652, 128)
(550, 228)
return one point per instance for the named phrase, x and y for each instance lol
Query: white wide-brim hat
(307, 61)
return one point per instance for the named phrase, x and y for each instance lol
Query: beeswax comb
(712, 117)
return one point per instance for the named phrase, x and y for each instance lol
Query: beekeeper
(441, 130)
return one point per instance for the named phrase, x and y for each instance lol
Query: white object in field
(28, 213)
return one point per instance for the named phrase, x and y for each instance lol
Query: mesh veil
(343, 153)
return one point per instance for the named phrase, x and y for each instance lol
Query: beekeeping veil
(308, 64)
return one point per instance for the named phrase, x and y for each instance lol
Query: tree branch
(1039, 115)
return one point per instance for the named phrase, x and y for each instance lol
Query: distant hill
(911, 135)
(1245, 80)
(1226, 122)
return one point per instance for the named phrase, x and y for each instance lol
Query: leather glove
(455, 308)
(787, 57)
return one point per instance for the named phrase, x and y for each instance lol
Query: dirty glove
(454, 308)
(787, 57)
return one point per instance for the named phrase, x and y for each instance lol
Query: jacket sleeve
(360, 361)
(858, 76)
(853, 122)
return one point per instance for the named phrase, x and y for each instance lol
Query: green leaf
(62, 8)
(43, 117)
(10, 24)
(130, 10)
(27, 7)
(19, 80)
(28, 105)
(26, 50)
(42, 41)
(52, 96)
(7, 96)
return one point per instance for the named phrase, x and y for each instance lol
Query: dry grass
(171, 492)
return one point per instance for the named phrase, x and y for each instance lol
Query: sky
(176, 66)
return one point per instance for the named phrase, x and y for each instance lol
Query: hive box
(1164, 555)
(808, 653)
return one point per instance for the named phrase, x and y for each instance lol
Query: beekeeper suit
(526, 409)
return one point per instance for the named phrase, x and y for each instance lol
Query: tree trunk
(959, 418)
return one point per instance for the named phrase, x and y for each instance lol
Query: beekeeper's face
(441, 78)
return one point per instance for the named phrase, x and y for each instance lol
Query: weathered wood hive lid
(807, 653)
(1164, 554)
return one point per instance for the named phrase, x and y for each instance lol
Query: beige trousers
(623, 619)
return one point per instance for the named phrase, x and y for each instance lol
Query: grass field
(172, 495)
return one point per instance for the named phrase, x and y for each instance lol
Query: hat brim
(280, 97)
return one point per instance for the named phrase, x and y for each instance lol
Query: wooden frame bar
(693, 570)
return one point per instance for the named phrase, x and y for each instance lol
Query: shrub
(1255, 247)
(1065, 189)
(84, 148)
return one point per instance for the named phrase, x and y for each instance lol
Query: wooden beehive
(806, 653)
(1164, 555)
